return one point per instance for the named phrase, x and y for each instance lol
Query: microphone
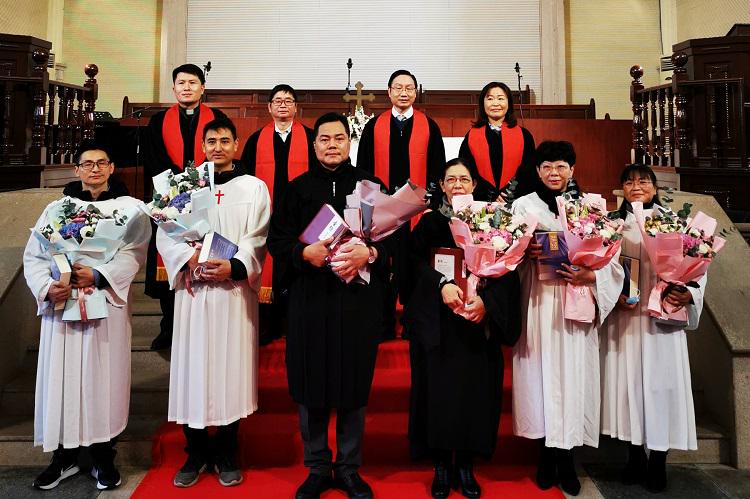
(207, 67)
(517, 68)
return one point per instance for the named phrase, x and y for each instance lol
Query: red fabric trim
(420, 138)
(172, 135)
(265, 169)
(512, 153)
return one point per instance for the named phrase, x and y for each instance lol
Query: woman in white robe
(83, 372)
(556, 361)
(647, 397)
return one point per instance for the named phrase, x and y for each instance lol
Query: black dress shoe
(314, 485)
(566, 471)
(467, 483)
(163, 341)
(353, 485)
(635, 469)
(656, 476)
(441, 483)
(546, 472)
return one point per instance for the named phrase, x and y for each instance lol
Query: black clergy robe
(281, 158)
(155, 161)
(456, 370)
(526, 175)
(334, 327)
(398, 173)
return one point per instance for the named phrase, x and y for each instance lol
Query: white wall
(446, 44)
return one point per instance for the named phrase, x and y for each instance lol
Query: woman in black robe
(456, 364)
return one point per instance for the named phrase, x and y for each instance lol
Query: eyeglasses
(87, 166)
(548, 168)
(641, 182)
(453, 180)
(409, 89)
(278, 102)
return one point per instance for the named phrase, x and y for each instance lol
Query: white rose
(606, 233)
(588, 228)
(171, 212)
(485, 226)
(87, 231)
(704, 249)
(188, 207)
(499, 243)
(651, 232)
(55, 237)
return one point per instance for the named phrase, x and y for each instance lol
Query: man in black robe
(334, 327)
(173, 140)
(398, 145)
(277, 153)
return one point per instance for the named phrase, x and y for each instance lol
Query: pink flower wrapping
(593, 250)
(666, 251)
(484, 259)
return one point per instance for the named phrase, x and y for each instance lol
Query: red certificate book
(450, 263)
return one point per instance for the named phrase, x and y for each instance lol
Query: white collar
(285, 132)
(408, 114)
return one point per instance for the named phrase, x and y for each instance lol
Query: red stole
(265, 169)
(420, 137)
(512, 153)
(172, 135)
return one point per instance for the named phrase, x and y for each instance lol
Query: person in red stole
(502, 150)
(174, 139)
(401, 144)
(277, 154)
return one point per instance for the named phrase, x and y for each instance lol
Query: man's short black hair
(91, 145)
(282, 87)
(330, 118)
(552, 151)
(190, 69)
(218, 123)
(401, 72)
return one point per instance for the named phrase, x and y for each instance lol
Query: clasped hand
(349, 259)
(577, 275)
(678, 298)
(473, 310)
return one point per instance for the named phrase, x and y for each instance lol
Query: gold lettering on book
(553, 243)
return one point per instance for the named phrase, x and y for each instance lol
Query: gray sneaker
(229, 473)
(190, 472)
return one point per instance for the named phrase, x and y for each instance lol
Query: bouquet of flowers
(680, 249)
(493, 240)
(593, 239)
(180, 201)
(85, 235)
(372, 215)
(357, 122)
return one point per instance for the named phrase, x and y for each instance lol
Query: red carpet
(271, 449)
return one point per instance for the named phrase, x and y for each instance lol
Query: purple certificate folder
(554, 254)
(326, 224)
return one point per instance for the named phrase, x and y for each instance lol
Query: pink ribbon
(82, 292)
(657, 308)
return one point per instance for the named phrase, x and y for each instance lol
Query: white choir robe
(647, 397)
(556, 392)
(213, 379)
(83, 372)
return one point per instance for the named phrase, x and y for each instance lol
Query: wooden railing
(62, 116)
(668, 130)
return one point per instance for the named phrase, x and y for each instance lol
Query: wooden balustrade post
(654, 142)
(50, 141)
(662, 128)
(62, 124)
(92, 92)
(70, 144)
(714, 133)
(682, 147)
(79, 122)
(38, 151)
(7, 145)
(637, 153)
(670, 123)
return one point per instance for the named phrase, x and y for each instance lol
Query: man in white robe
(213, 378)
(647, 396)
(83, 372)
(556, 393)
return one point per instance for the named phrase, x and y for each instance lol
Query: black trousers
(200, 443)
(167, 312)
(350, 426)
(101, 452)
